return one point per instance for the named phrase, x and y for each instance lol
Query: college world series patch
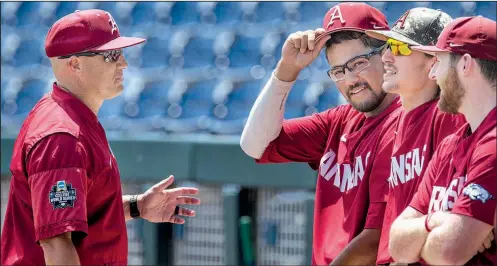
(62, 195)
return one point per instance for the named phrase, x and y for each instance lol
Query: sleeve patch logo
(477, 192)
(62, 195)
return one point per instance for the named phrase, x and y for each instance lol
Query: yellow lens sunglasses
(398, 47)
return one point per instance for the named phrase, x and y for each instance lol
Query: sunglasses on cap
(109, 56)
(398, 47)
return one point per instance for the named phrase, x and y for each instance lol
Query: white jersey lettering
(406, 167)
(443, 198)
(347, 176)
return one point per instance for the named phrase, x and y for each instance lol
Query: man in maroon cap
(453, 211)
(349, 145)
(65, 202)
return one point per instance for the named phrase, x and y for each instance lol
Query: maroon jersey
(461, 178)
(350, 152)
(418, 134)
(64, 179)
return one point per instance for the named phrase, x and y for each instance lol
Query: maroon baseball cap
(471, 35)
(353, 16)
(86, 30)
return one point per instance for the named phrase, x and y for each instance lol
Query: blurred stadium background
(188, 91)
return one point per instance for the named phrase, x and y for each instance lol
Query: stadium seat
(30, 92)
(9, 13)
(152, 100)
(29, 52)
(245, 51)
(295, 102)
(47, 12)
(198, 94)
(330, 97)
(185, 13)
(199, 52)
(308, 12)
(486, 9)
(246, 92)
(122, 14)
(4, 93)
(65, 8)
(163, 12)
(146, 111)
(269, 12)
(112, 108)
(144, 13)
(111, 114)
(229, 116)
(28, 14)
(155, 52)
(228, 13)
(192, 111)
(10, 43)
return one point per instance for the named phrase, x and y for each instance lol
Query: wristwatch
(133, 207)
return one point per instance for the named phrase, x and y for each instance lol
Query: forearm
(433, 249)
(60, 251)
(407, 237)
(449, 243)
(287, 73)
(265, 120)
(127, 215)
(362, 250)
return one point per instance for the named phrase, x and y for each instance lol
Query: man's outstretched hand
(158, 204)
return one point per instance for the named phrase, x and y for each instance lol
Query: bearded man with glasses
(65, 203)
(350, 145)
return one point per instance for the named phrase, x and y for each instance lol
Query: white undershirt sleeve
(266, 117)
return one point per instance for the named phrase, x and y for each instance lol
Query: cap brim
(337, 30)
(119, 43)
(387, 34)
(428, 49)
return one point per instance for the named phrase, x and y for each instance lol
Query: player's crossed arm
(447, 238)
(472, 215)
(407, 236)
(454, 239)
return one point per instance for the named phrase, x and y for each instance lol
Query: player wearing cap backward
(349, 145)
(421, 126)
(453, 211)
(65, 203)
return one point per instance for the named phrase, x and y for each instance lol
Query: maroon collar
(488, 124)
(69, 100)
(466, 144)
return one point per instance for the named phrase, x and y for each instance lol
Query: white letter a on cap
(337, 13)
(112, 23)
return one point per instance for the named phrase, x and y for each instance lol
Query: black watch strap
(133, 207)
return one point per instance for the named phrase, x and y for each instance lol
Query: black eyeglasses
(355, 65)
(109, 56)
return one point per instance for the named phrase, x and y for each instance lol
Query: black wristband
(133, 207)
